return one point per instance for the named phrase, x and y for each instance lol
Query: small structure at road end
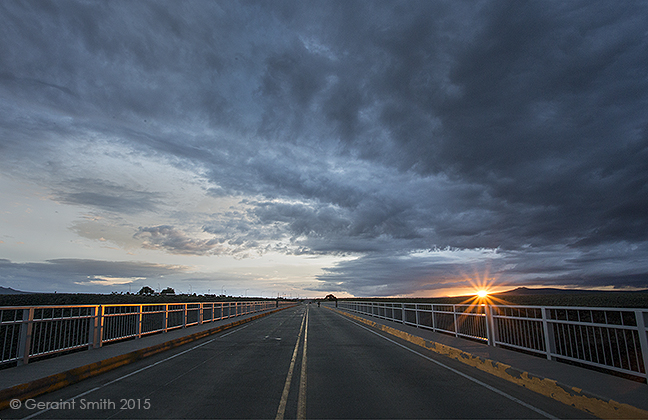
(330, 298)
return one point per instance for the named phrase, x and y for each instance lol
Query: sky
(301, 148)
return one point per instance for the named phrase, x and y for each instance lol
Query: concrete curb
(575, 397)
(60, 380)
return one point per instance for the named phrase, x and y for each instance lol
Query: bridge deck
(604, 385)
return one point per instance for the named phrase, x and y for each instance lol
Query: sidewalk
(586, 389)
(43, 376)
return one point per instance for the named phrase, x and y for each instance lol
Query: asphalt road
(303, 362)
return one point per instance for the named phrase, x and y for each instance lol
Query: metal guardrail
(612, 339)
(28, 332)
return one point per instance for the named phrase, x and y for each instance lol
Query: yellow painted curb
(60, 380)
(575, 397)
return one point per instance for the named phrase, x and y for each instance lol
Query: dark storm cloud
(550, 112)
(174, 241)
(65, 275)
(108, 196)
(356, 127)
(539, 105)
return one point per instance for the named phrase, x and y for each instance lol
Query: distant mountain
(10, 291)
(525, 291)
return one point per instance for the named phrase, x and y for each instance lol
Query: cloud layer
(420, 142)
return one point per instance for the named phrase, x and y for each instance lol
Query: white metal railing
(28, 332)
(613, 339)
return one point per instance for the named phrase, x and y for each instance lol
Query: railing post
(416, 312)
(643, 338)
(546, 331)
(166, 317)
(139, 321)
(200, 314)
(433, 319)
(26, 327)
(547, 335)
(184, 322)
(92, 329)
(100, 327)
(490, 325)
(454, 316)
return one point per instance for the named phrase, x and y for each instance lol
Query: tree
(168, 291)
(146, 291)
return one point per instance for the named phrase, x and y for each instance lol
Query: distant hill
(526, 291)
(10, 291)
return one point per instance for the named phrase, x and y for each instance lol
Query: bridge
(345, 360)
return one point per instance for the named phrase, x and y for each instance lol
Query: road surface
(303, 362)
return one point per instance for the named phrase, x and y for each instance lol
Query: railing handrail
(92, 305)
(600, 308)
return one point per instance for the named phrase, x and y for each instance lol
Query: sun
(482, 293)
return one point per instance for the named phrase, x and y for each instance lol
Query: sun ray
(483, 285)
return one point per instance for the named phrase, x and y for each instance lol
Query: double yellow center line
(301, 398)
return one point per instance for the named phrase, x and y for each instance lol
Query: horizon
(312, 147)
(470, 295)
